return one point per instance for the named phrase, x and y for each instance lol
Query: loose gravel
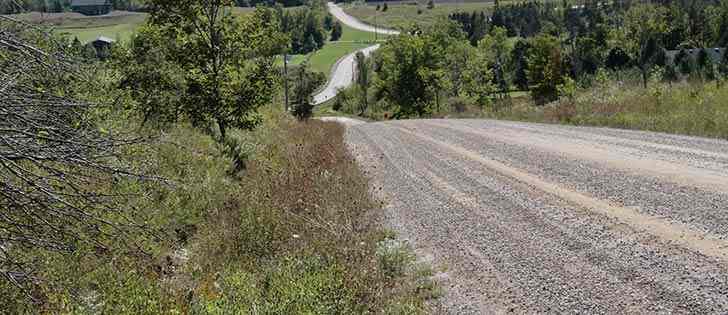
(507, 245)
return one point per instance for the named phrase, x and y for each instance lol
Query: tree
(385, 7)
(519, 57)
(430, 5)
(684, 61)
(227, 62)
(400, 78)
(478, 79)
(644, 24)
(544, 68)
(57, 165)
(617, 59)
(496, 51)
(362, 80)
(336, 31)
(328, 22)
(306, 84)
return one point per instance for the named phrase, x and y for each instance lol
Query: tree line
(541, 47)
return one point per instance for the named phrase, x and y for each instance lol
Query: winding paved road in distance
(532, 219)
(342, 75)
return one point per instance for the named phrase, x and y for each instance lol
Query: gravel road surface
(342, 75)
(353, 22)
(531, 218)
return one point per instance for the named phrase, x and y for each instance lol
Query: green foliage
(306, 285)
(227, 67)
(363, 80)
(643, 24)
(328, 22)
(544, 68)
(306, 83)
(336, 31)
(306, 28)
(695, 108)
(394, 257)
(412, 68)
(150, 77)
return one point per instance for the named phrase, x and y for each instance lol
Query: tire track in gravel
(674, 172)
(510, 247)
(704, 243)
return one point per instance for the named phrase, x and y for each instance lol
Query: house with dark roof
(714, 54)
(91, 7)
(102, 45)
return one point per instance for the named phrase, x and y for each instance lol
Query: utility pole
(285, 78)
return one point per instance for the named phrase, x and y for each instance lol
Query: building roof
(714, 53)
(81, 3)
(104, 39)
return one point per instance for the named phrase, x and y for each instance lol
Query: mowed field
(119, 25)
(402, 15)
(324, 59)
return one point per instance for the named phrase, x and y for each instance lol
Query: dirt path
(531, 218)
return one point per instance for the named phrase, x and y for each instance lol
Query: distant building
(715, 54)
(102, 45)
(91, 7)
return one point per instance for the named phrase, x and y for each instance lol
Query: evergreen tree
(519, 56)
(336, 31)
(385, 7)
(328, 22)
(306, 84)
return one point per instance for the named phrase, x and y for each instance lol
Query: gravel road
(342, 75)
(531, 218)
(353, 22)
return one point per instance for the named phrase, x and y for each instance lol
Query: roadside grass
(295, 232)
(695, 108)
(352, 34)
(324, 59)
(402, 16)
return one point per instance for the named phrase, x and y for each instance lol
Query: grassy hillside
(324, 59)
(690, 108)
(401, 16)
(295, 232)
(117, 25)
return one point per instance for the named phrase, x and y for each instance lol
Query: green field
(402, 16)
(324, 59)
(121, 25)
